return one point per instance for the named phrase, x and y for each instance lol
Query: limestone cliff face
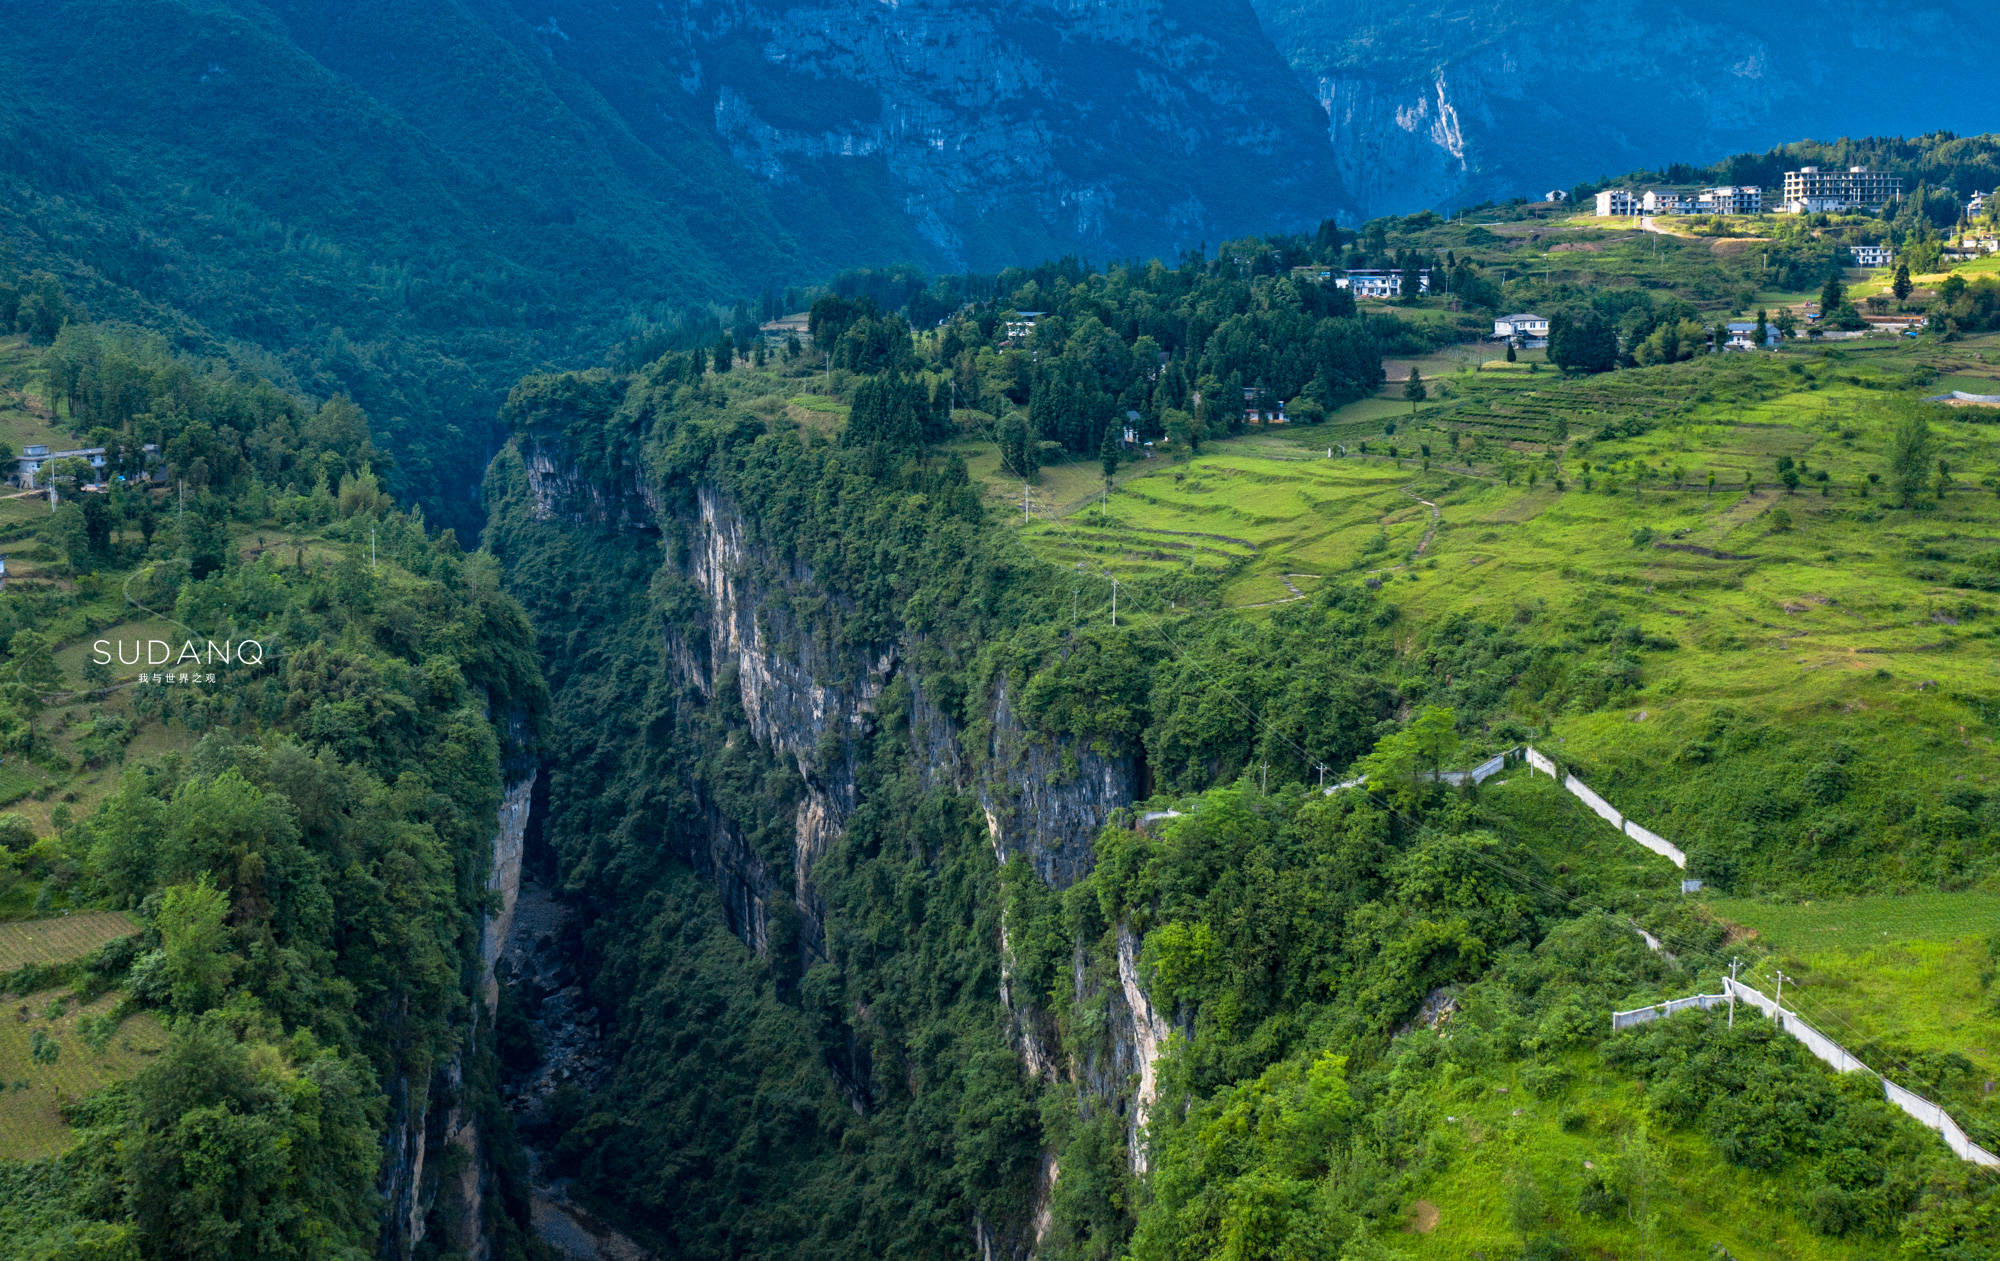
(429, 1116)
(987, 133)
(812, 704)
(1434, 103)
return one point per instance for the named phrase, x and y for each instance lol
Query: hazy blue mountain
(1432, 102)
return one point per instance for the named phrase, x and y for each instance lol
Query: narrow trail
(1423, 544)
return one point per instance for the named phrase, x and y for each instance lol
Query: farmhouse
(1259, 408)
(1381, 282)
(1743, 335)
(34, 458)
(1020, 325)
(1523, 326)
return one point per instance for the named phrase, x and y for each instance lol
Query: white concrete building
(1524, 326)
(1810, 190)
(1020, 325)
(1730, 199)
(1872, 255)
(1667, 201)
(1381, 282)
(1620, 203)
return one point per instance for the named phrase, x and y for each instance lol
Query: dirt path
(1424, 544)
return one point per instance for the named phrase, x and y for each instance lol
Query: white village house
(1020, 325)
(1371, 282)
(35, 457)
(1872, 255)
(1743, 335)
(1526, 327)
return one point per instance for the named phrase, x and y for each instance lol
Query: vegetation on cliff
(264, 711)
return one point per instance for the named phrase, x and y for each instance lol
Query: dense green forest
(877, 1055)
(301, 834)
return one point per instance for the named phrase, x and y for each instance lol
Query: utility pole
(1024, 503)
(1114, 604)
(1733, 965)
(1263, 777)
(371, 549)
(1779, 1002)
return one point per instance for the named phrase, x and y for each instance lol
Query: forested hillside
(414, 204)
(952, 879)
(257, 724)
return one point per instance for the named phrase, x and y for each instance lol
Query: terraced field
(1257, 519)
(54, 1052)
(62, 939)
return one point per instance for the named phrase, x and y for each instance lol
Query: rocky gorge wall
(428, 1117)
(754, 641)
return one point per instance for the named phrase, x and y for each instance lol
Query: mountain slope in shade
(417, 200)
(1441, 102)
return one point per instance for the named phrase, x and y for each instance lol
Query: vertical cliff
(428, 1197)
(781, 714)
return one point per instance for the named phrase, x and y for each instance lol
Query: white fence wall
(1657, 843)
(1606, 811)
(1641, 1015)
(1844, 1061)
(1581, 791)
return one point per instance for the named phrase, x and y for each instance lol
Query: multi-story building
(1667, 201)
(1810, 190)
(1730, 199)
(1381, 282)
(1617, 202)
(1976, 205)
(1872, 255)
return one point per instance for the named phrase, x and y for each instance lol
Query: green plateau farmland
(1777, 632)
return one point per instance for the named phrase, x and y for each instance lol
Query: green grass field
(1519, 1162)
(33, 1093)
(1886, 975)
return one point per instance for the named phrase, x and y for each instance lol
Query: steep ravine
(748, 639)
(423, 1193)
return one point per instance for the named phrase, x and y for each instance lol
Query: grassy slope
(1838, 621)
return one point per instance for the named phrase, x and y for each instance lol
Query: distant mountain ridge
(1435, 103)
(415, 201)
